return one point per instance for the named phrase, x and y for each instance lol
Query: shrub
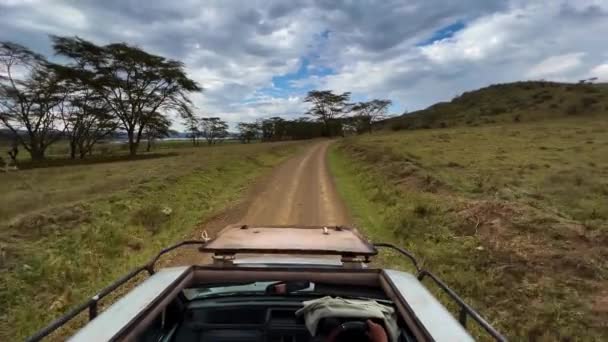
(422, 210)
(572, 110)
(517, 118)
(150, 217)
(399, 125)
(587, 101)
(497, 110)
(590, 89)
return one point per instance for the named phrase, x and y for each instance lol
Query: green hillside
(510, 102)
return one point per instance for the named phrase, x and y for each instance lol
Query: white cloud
(600, 71)
(556, 65)
(482, 38)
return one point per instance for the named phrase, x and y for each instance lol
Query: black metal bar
(93, 309)
(462, 317)
(465, 309)
(464, 306)
(91, 304)
(402, 251)
(150, 265)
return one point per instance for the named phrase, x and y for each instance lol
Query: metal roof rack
(92, 303)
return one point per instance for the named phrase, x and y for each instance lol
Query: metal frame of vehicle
(428, 319)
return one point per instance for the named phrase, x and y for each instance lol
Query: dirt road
(300, 191)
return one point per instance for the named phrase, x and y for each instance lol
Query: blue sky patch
(284, 85)
(443, 33)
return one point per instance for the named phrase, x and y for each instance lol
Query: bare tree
(134, 84)
(367, 113)
(327, 106)
(30, 93)
(213, 129)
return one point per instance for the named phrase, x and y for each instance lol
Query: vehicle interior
(256, 312)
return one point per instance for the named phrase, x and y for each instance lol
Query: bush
(150, 217)
(497, 110)
(572, 110)
(590, 89)
(422, 210)
(587, 101)
(399, 125)
(517, 118)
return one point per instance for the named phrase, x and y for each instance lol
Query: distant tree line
(101, 91)
(332, 115)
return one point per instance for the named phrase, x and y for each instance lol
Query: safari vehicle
(279, 284)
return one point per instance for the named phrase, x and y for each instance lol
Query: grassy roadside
(412, 220)
(535, 266)
(57, 256)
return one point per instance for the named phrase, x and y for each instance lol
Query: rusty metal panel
(290, 240)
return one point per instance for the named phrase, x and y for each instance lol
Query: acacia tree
(213, 129)
(248, 131)
(157, 127)
(327, 107)
(192, 126)
(366, 113)
(133, 83)
(86, 116)
(30, 95)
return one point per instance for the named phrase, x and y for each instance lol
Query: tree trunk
(73, 150)
(37, 154)
(132, 144)
(149, 145)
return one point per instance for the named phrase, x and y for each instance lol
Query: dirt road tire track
(300, 191)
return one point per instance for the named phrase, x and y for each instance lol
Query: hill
(509, 102)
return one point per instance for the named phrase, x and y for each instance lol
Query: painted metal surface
(304, 240)
(124, 311)
(287, 261)
(437, 320)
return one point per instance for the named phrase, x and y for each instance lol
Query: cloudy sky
(259, 58)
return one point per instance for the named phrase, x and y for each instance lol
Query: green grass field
(65, 232)
(514, 217)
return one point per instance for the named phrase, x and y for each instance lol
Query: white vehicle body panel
(118, 316)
